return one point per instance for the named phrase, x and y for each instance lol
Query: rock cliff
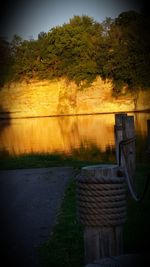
(59, 97)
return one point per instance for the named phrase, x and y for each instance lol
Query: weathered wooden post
(101, 195)
(101, 202)
(119, 130)
(125, 133)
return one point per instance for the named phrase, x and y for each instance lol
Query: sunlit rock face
(59, 97)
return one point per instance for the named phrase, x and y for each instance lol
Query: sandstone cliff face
(49, 98)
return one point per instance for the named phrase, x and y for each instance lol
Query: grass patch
(38, 161)
(65, 247)
(44, 160)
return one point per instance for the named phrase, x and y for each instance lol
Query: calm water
(84, 136)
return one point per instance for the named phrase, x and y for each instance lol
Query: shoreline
(7, 115)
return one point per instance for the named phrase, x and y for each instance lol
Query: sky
(28, 18)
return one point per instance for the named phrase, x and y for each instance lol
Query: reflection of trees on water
(4, 117)
(69, 130)
(85, 150)
(86, 137)
(94, 154)
(5, 121)
(140, 120)
(4, 154)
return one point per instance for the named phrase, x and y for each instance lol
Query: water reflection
(69, 134)
(4, 118)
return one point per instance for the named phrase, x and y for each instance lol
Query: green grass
(79, 158)
(37, 161)
(65, 247)
(33, 161)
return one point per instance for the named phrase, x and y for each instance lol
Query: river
(85, 136)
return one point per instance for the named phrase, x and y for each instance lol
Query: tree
(71, 49)
(116, 49)
(5, 61)
(129, 61)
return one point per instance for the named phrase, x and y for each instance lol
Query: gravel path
(29, 203)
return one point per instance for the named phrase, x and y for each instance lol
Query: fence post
(101, 199)
(124, 129)
(130, 148)
(119, 130)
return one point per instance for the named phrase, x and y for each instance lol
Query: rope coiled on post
(101, 200)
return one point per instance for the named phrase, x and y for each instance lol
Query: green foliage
(83, 49)
(129, 61)
(6, 61)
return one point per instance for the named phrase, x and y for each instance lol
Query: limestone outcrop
(59, 97)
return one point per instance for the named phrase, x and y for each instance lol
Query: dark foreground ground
(29, 203)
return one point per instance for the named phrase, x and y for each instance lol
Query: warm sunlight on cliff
(44, 98)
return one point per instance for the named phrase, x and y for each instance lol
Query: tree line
(116, 49)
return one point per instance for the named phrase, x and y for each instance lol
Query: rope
(99, 179)
(97, 205)
(100, 186)
(96, 217)
(101, 195)
(102, 211)
(101, 200)
(98, 193)
(102, 222)
(132, 191)
(122, 143)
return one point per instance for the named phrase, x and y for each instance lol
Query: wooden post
(124, 129)
(101, 197)
(101, 202)
(130, 148)
(119, 129)
(102, 242)
(148, 135)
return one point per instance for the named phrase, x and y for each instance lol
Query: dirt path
(29, 203)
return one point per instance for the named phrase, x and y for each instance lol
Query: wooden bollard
(102, 210)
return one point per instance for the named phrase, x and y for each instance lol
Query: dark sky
(29, 17)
